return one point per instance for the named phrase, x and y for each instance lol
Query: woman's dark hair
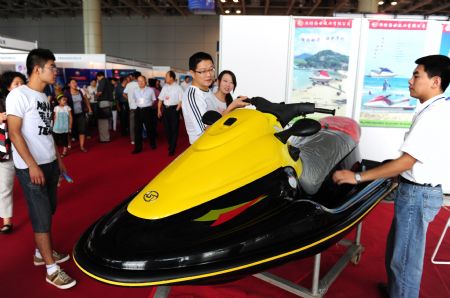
(38, 57)
(152, 82)
(228, 97)
(6, 79)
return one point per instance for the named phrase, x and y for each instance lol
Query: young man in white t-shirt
(37, 164)
(197, 97)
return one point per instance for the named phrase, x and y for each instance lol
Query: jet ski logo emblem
(151, 196)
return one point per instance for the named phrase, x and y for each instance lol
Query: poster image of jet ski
(386, 101)
(321, 78)
(382, 72)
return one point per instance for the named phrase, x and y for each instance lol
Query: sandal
(6, 229)
(83, 149)
(64, 154)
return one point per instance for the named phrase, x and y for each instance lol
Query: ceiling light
(393, 2)
(227, 11)
(380, 2)
(223, 1)
(235, 1)
(238, 11)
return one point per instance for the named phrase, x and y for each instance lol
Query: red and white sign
(323, 23)
(397, 25)
(446, 27)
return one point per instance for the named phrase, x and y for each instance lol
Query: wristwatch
(358, 178)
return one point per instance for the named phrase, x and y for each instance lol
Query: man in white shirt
(144, 97)
(424, 168)
(186, 83)
(169, 106)
(36, 160)
(128, 93)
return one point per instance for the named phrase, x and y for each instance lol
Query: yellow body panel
(216, 164)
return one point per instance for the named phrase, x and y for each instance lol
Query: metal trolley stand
(319, 286)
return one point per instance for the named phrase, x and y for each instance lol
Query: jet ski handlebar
(286, 112)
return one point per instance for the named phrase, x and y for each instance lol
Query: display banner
(202, 6)
(445, 46)
(60, 80)
(82, 76)
(118, 73)
(321, 52)
(392, 48)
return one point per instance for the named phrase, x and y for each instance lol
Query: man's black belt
(404, 180)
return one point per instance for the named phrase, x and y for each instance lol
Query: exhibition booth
(159, 72)
(82, 67)
(9, 47)
(358, 65)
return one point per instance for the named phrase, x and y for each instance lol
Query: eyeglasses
(204, 72)
(52, 68)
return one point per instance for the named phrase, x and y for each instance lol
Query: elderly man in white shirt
(144, 97)
(169, 106)
(128, 93)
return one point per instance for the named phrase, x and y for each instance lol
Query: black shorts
(61, 139)
(81, 123)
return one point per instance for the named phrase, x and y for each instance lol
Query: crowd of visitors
(41, 122)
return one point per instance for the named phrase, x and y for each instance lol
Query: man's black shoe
(383, 290)
(135, 151)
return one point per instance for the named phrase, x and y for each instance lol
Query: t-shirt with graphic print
(36, 113)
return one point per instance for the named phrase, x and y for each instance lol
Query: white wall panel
(256, 49)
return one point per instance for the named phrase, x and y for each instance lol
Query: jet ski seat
(321, 152)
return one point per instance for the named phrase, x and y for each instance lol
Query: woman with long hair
(223, 100)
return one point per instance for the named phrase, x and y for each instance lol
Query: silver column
(92, 25)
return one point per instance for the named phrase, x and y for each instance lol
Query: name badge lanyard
(418, 114)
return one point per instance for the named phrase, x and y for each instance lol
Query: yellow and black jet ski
(246, 196)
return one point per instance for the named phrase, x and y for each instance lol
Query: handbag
(104, 113)
(104, 110)
(4, 143)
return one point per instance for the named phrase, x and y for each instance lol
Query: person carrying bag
(104, 99)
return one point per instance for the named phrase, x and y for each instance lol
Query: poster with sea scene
(321, 50)
(445, 46)
(392, 48)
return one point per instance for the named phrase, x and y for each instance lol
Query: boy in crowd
(36, 160)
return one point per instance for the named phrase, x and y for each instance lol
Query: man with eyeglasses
(198, 95)
(36, 160)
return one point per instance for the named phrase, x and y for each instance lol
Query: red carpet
(108, 173)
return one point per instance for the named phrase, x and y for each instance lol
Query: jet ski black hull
(122, 249)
